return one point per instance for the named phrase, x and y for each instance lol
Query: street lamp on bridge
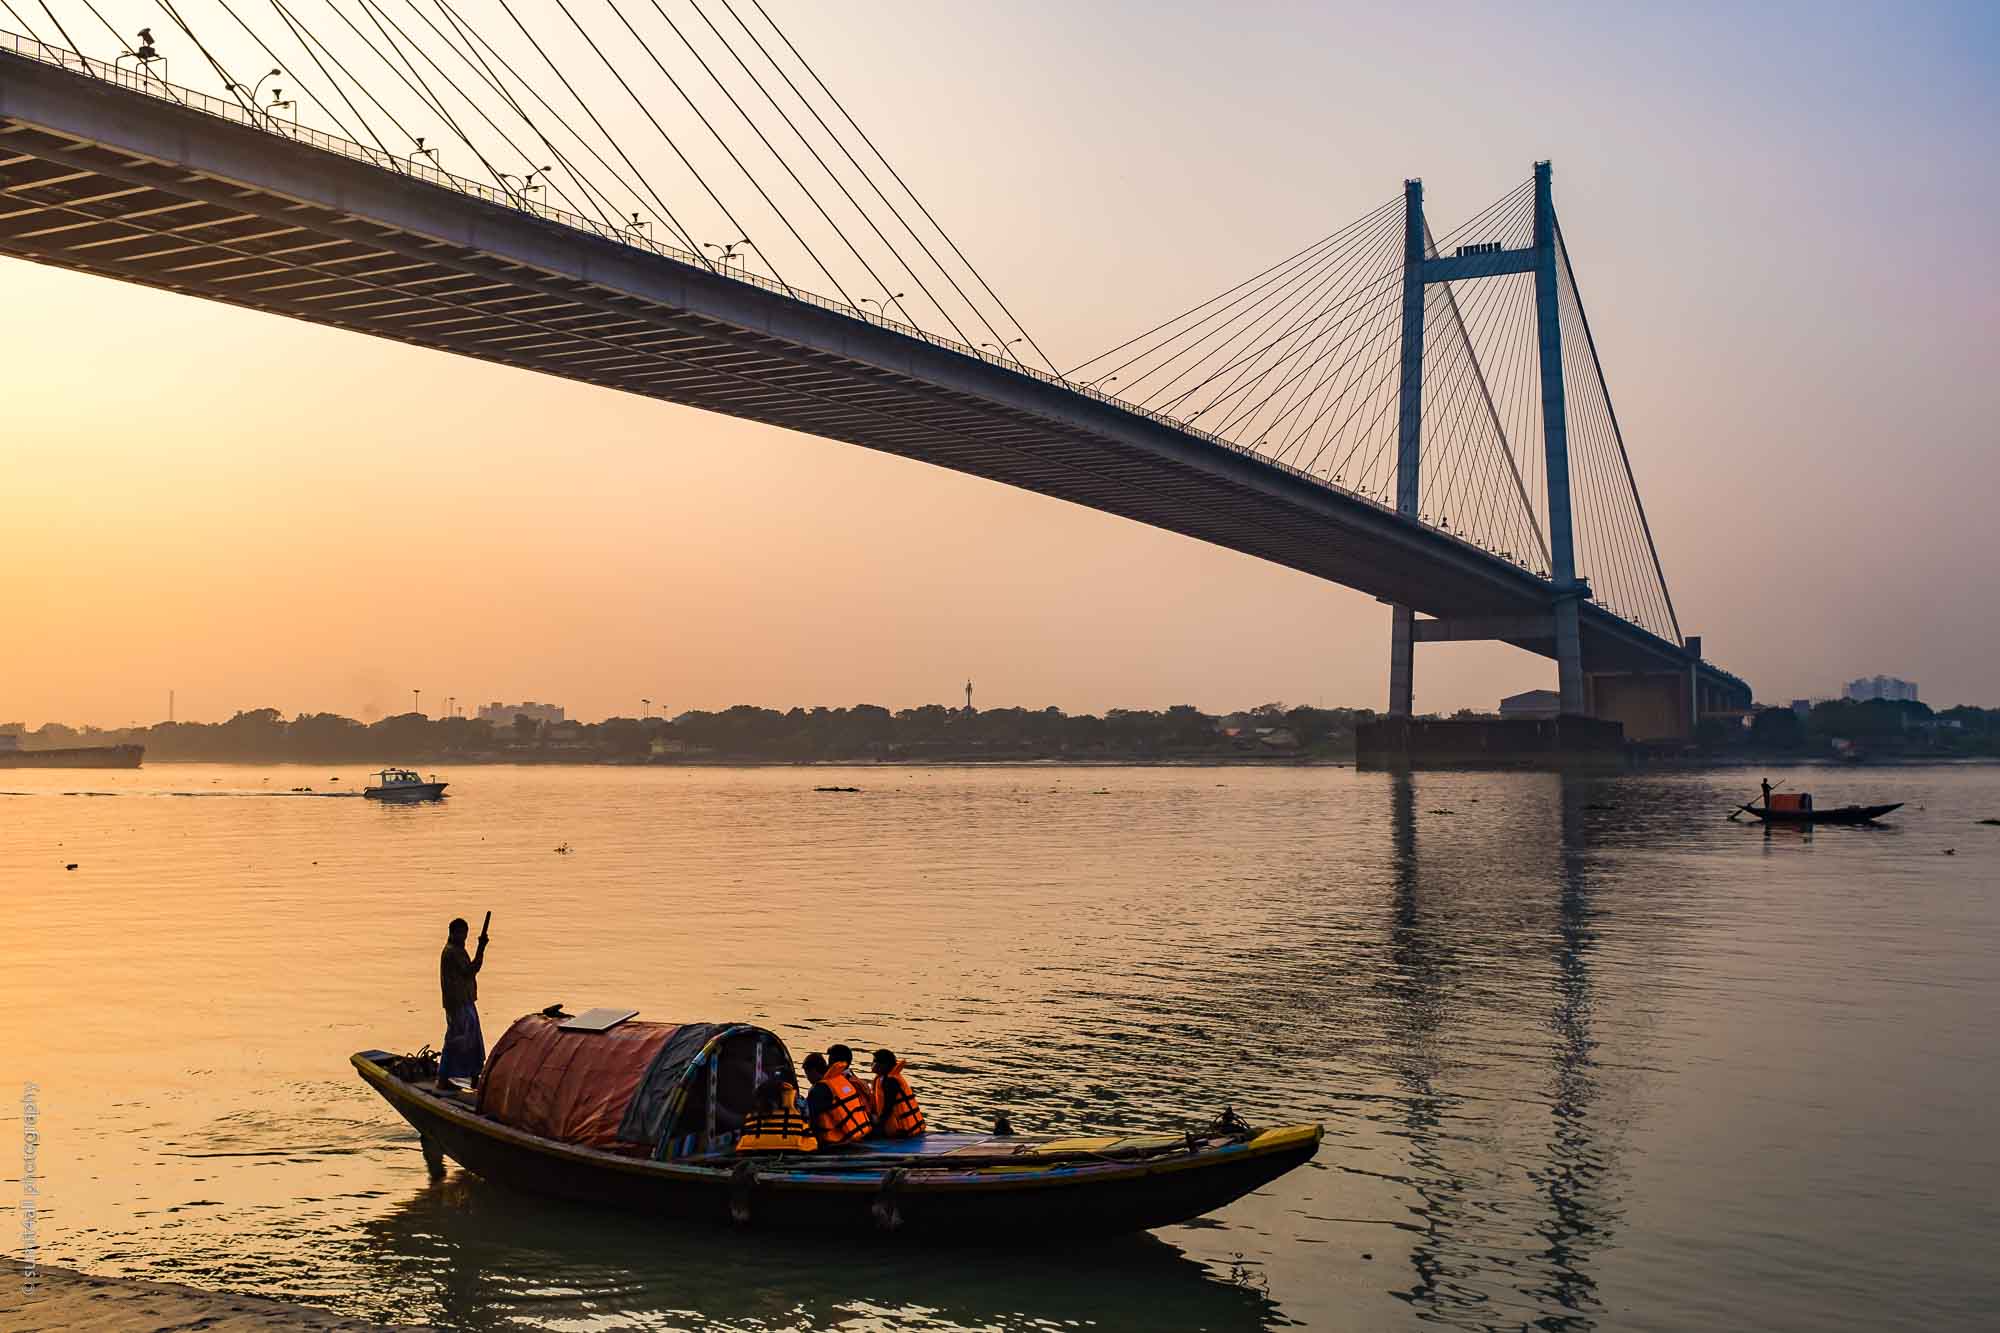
(882, 304)
(725, 253)
(1000, 350)
(230, 85)
(528, 184)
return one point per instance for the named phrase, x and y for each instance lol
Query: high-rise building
(504, 714)
(1892, 688)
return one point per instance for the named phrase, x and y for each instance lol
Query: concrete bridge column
(1555, 444)
(1402, 661)
(1409, 419)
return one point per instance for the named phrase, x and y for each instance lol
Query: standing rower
(464, 1053)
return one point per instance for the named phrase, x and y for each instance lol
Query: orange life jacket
(896, 1105)
(782, 1130)
(852, 1114)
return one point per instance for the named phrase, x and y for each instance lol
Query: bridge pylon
(1422, 269)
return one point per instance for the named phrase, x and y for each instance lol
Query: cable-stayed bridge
(1422, 418)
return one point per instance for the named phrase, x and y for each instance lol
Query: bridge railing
(138, 78)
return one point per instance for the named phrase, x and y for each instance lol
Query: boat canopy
(661, 1089)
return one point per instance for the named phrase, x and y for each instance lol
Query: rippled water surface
(1588, 1054)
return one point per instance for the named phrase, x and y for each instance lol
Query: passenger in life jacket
(896, 1113)
(777, 1124)
(840, 1109)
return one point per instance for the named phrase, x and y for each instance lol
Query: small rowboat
(1844, 814)
(642, 1117)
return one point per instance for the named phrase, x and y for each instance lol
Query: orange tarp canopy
(573, 1087)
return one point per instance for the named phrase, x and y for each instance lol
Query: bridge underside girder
(105, 181)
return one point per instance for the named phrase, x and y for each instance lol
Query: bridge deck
(116, 182)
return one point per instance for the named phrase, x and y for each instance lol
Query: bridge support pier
(1419, 270)
(1650, 705)
(1409, 419)
(1402, 660)
(1555, 448)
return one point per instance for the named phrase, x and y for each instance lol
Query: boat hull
(84, 756)
(929, 1201)
(414, 791)
(1844, 814)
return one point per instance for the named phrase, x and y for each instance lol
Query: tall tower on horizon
(968, 694)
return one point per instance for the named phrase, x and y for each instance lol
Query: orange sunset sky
(1781, 221)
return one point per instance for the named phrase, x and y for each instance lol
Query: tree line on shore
(864, 732)
(868, 732)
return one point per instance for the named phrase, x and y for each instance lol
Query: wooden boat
(569, 1113)
(403, 784)
(1844, 814)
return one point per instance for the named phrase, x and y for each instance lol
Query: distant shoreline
(1691, 763)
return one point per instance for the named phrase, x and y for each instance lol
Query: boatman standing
(464, 1053)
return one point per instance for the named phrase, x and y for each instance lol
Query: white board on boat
(597, 1020)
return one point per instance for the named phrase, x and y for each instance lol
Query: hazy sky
(1782, 220)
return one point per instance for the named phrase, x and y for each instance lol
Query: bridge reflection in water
(1439, 992)
(1467, 1208)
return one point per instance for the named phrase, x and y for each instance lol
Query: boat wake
(222, 795)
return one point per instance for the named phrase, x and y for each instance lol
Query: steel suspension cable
(593, 197)
(26, 27)
(1335, 337)
(65, 34)
(1300, 324)
(639, 193)
(1475, 481)
(762, 138)
(116, 36)
(1286, 278)
(1258, 351)
(300, 36)
(865, 174)
(1358, 222)
(988, 287)
(1653, 549)
(1486, 393)
(839, 184)
(662, 130)
(234, 89)
(421, 88)
(618, 149)
(297, 83)
(1226, 334)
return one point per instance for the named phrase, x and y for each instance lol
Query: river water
(1588, 1054)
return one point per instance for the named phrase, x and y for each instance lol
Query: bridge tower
(1421, 269)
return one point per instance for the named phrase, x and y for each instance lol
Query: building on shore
(504, 714)
(1892, 688)
(1532, 703)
